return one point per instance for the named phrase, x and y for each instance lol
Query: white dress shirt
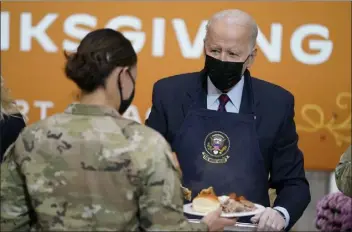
(233, 106)
(235, 95)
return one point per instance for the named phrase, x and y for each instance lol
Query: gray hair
(238, 17)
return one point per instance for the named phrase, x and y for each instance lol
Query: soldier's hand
(217, 223)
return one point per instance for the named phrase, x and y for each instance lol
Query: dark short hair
(98, 54)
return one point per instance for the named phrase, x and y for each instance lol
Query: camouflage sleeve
(343, 173)
(161, 201)
(14, 210)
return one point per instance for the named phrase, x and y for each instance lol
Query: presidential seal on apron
(217, 145)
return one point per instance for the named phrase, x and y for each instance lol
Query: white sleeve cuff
(284, 212)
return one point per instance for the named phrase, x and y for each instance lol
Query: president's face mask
(223, 74)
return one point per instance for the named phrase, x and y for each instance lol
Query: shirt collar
(235, 94)
(96, 110)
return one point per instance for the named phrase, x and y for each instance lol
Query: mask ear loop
(119, 86)
(250, 55)
(133, 82)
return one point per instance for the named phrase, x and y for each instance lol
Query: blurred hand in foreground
(217, 223)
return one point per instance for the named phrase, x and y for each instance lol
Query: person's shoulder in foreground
(343, 173)
(161, 202)
(138, 168)
(10, 128)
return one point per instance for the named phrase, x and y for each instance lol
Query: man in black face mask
(230, 130)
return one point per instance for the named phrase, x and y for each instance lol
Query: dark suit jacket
(276, 131)
(10, 128)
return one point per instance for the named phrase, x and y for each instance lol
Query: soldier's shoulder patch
(9, 152)
(172, 156)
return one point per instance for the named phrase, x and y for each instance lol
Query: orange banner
(304, 47)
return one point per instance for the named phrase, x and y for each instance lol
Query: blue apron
(221, 150)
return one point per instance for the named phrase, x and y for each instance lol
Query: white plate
(187, 208)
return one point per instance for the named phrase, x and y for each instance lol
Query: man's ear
(254, 53)
(204, 47)
(252, 58)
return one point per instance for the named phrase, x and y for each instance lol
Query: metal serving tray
(237, 227)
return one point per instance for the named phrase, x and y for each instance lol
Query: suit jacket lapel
(249, 99)
(246, 105)
(195, 95)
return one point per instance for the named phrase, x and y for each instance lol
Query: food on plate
(187, 194)
(206, 201)
(232, 206)
(242, 200)
(248, 205)
(237, 204)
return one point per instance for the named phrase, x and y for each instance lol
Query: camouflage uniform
(343, 173)
(90, 169)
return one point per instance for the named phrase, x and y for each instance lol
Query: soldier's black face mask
(125, 103)
(223, 74)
